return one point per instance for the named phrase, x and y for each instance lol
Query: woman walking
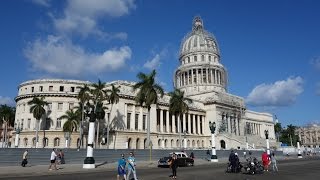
(174, 165)
(274, 163)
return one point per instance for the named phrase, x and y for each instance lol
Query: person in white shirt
(53, 159)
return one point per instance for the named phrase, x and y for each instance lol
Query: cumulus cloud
(6, 100)
(316, 62)
(281, 93)
(59, 56)
(81, 16)
(45, 3)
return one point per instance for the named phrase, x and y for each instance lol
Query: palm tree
(37, 109)
(83, 97)
(7, 116)
(113, 98)
(178, 105)
(98, 95)
(72, 123)
(147, 94)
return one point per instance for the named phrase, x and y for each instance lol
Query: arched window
(202, 58)
(223, 144)
(171, 143)
(138, 144)
(45, 142)
(202, 143)
(209, 58)
(195, 59)
(188, 143)
(159, 143)
(188, 59)
(166, 143)
(145, 143)
(193, 143)
(177, 143)
(56, 142)
(34, 142)
(25, 142)
(129, 143)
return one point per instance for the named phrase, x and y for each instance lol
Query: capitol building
(202, 77)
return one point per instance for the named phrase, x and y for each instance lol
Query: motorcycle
(253, 167)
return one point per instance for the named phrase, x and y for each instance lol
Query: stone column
(173, 124)
(167, 121)
(140, 119)
(229, 123)
(194, 124)
(161, 120)
(133, 118)
(183, 123)
(198, 122)
(125, 115)
(189, 123)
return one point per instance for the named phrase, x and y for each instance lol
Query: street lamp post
(214, 157)
(16, 141)
(266, 133)
(67, 137)
(299, 150)
(89, 162)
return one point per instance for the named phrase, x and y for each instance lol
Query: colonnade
(198, 76)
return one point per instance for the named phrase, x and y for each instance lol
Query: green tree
(37, 109)
(277, 130)
(178, 106)
(83, 97)
(98, 96)
(113, 98)
(7, 117)
(147, 94)
(73, 121)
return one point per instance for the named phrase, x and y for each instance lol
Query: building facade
(202, 77)
(309, 136)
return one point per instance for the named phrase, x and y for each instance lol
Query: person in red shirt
(265, 161)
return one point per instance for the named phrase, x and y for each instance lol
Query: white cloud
(281, 93)
(6, 100)
(57, 55)
(45, 3)
(153, 63)
(81, 16)
(316, 62)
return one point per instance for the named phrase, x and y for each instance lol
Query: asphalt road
(297, 169)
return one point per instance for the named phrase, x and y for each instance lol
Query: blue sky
(270, 48)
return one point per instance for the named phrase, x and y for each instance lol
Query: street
(288, 169)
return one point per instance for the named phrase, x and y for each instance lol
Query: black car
(183, 160)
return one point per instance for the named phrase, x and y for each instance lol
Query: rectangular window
(58, 123)
(136, 121)
(71, 106)
(41, 88)
(72, 89)
(49, 106)
(144, 122)
(60, 106)
(29, 123)
(50, 88)
(61, 88)
(32, 89)
(204, 75)
(22, 120)
(47, 125)
(194, 76)
(128, 120)
(195, 58)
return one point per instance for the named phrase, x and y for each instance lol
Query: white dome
(199, 40)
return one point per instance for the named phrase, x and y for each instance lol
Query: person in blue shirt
(132, 166)
(121, 167)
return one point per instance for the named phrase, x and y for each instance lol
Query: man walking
(132, 166)
(53, 158)
(24, 158)
(121, 167)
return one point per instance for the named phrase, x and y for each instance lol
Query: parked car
(183, 160)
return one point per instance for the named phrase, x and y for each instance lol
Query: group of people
(56, 157)
(267, 160)
(126, 170)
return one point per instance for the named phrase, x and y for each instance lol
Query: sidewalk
(38, 170)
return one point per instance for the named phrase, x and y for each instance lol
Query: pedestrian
(61, 157)
(233, 161)
(174, 165)
(53, 159)
(122, 167)
(208, 155)
(265, 160)
(24, 158)
(274, 163)
(192, 155)
(132, 166)
(244, 155)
